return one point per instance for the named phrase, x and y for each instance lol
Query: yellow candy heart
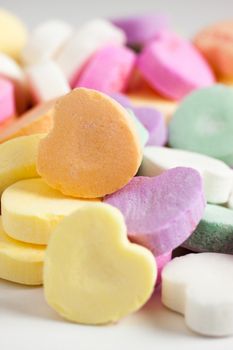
(20, 262)
(93, 274)
(18, 160)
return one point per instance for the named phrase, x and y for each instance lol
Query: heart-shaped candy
(162, 211)
(199, 286)
(93, 274)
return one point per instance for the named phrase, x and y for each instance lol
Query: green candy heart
(203, 123)
(214, 232)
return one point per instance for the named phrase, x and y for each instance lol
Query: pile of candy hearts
(116, 148)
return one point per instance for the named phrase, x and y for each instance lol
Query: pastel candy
(142, 28)
(203, 123)
(46, 40)
(7, 101)
(214, 42)
(122, 99)
(89, 38)
(10, 70)
(37, 120)
(18, 160)
(13, 34)
(214, 233)
(109, 70)
(174, 67)
(199, 286)
(31, 210)
(143, 95)
(149, 117)
(47, 81)
(20, 262)
(217, 176)
(161, 262)
(154, 122)
(103, 158)
(104, 277)
(161, 212)
(142, 132)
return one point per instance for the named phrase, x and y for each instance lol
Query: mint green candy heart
(204, 123)
(214, 233)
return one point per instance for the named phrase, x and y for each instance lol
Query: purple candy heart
(142, 28)
(161, 212)
(154, 122)
(122, 99)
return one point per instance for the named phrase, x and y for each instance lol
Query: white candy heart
(200, 286)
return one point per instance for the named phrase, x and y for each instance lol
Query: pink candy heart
(161, 212)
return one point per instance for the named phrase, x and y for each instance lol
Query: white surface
(27, 323)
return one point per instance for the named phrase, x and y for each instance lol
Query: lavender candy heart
(154, 122)
(141, 28)
(161, 212)
(122, 99)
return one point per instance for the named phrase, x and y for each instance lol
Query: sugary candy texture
(93, 274)
(7, 100)
(161, 212)
(149, 117)
(215, 44)
(93, 149)
(31, 210)
(13, 34)
(109, 70)
(142, 28)
(161, 262)
(214, 232)
(154, 122)
(46, 40)
(88, 39)
(20, 262)
(199, 286)
(36, 120)
(174, 67)
(217, 176)
(203, 123)
(18, 160)
(46, 81)
(12, 71)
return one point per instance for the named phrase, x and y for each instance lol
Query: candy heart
(162, 211)
(214, 233)
(31, 210)
(203, 123)
(142, 28)
(18, 160)
(109, 70)
(7, 100)
(35, 121)
(92, 273)
(46, 40)
(20, 262)
(173, 66)
(47, 81)
(217, 176)
(199, 286)
(94, 148)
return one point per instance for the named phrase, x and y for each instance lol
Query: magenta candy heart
(154, 122)
(161, 212)
(142, 28)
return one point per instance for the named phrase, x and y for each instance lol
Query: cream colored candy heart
(31, 210)
(18, 159)
(93, 274)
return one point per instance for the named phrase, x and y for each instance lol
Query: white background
(26, 322)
